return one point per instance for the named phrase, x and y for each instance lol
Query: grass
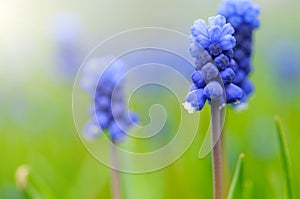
(285, 157)
(237, 180)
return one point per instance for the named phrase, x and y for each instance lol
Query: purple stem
(217, 151)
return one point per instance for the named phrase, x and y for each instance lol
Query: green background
(36, 123)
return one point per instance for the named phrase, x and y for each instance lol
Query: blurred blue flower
(233, 92)
(243, 16)
(108, 111)
(285, 66)
(212, 46)
(67, 35)
(227, 75)
(238, 12)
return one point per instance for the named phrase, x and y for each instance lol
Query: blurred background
(42, 44)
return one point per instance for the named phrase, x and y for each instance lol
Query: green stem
(217, 151)
(236, 176)
(116, 191)
(285, 157)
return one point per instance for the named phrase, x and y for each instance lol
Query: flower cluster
(108, 111)
(67, 32)
(284, 66)
(243, 16)
(240, 12)
(212, 47)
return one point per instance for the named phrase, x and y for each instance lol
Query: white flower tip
(237, 102)
(241, 107)
(222, 106)
(188, 106)
(91, 133)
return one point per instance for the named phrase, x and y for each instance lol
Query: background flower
(243, 16)
(108, 111)
(67, 33)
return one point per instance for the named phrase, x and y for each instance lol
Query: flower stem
(217, 151)
(115, 181)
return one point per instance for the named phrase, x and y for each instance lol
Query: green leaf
(285, 157)
(237, 177)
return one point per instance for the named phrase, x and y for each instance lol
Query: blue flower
(240, 75)
(215, 37)
(239, 12)
(103, 118)
(67, 33)
(222, 61)
(108, 111)
(116, 133)
(213, 90)
(233, 92)
(227, 75)
(198, 79)
(209, 72)
(198, 52)
(91, 129)
(212, 47)
(284, 61)
(247, 86)
(195, 101)
(193, 87)
(243, 15)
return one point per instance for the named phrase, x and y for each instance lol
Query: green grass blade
(285, 156)
(237, 177)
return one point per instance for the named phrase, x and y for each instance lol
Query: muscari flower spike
(67, 34)
(243, 16)
(108, 111)
(240, 12)
(212, 47)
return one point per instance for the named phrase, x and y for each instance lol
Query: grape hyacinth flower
(284, 66)
(222, 53)
(212, 47)
(220, 76)
(67, 32)
(108, 111)
(243, 16)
